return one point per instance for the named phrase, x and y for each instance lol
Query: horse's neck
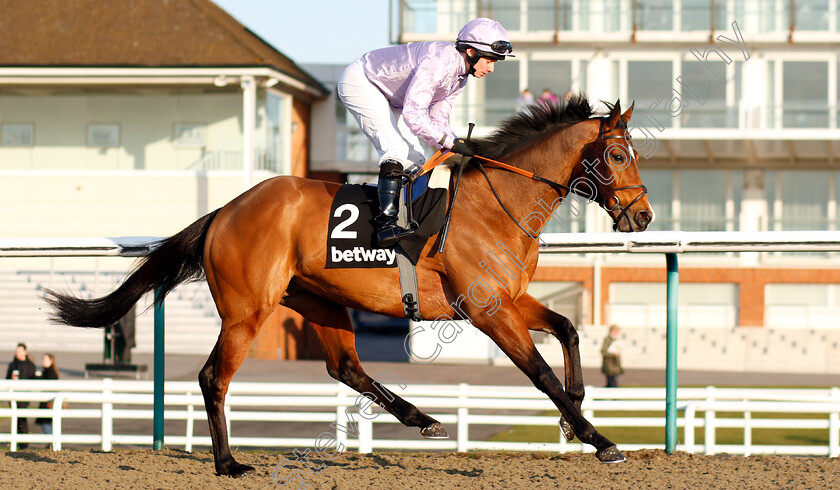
(553, 159)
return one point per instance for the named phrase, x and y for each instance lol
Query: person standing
(49, 371)
(401, 94)
(611, 357)
(21, 367)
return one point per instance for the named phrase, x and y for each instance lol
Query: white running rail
(456, 406)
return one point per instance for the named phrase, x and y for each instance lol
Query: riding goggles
(498, 47)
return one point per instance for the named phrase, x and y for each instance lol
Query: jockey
(403, 92)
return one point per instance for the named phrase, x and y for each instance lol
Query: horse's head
(608, 173)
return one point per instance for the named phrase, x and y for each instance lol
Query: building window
(500, 93)
(694, 200)
(656, 15)
(103, 135)
(805, 94)
(189, 135)
(811, 15)
(705, 81)
(701, 305)
(506, 12)
(18, 134)
(649, 83)
(801, 305)
(798, 200)
(554, 75)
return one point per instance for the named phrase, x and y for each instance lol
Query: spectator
(50, 371)
(611, 354)
(21, 367)
(548, 97)
(525, 99)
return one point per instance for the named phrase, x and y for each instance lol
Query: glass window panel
(703, 200)
(805, 94)
(542, 14)
(696, 15)
(653, 293)
(500, 92)
(656, 15)
(555, 75)
(796, 294)
(660, 186)
(649, 84)
(811, 15)
(617, 16)
(773, 15)
(704, 81)
(804, 196)
(506, 12)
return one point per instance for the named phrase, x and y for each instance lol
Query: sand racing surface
(145, 468)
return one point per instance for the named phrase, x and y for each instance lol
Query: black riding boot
(389, 232)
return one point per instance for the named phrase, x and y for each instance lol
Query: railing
(459, 405)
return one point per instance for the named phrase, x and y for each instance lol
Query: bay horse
(267, 247)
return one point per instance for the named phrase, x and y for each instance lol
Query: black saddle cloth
(351, 237)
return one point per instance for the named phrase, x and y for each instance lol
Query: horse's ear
(626, 116)
(615, 113)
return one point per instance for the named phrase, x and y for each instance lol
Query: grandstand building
(736, 121)
(133, 118)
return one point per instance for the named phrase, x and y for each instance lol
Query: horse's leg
(331, 323)
(214, 379)
(506, 327)
(538, 317)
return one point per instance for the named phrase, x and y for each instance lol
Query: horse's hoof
(434, 431)
(566, 429)
(610, 455)
(237, 470)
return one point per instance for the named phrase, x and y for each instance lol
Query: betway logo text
(362, 254)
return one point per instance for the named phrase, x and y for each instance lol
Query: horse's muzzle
(643, 219)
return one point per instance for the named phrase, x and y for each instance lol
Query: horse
(267, 247)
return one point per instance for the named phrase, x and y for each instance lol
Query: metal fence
(456, 406)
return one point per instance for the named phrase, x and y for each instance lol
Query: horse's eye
(618, 157)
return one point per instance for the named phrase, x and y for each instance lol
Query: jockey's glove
(464, 147)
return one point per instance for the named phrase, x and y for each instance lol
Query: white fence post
(190, 425)
(834, 427)
(365, 428)
(14, 421)
(747, 432)
(688, 427)
(340, 416)
(107, 416)
(463, 420)
(58, 404)
(709, 418)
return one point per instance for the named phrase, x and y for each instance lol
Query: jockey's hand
(463, 147)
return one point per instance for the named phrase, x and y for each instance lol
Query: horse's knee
(347, 371)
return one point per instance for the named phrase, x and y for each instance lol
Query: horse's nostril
(642, 218)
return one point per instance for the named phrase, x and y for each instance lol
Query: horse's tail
(177, 259)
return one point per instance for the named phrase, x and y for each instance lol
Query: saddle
(351, 236)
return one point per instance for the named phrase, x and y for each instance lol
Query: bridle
(623, 210)
(560, 188)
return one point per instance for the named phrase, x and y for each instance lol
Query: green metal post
(159, 372)
(671, 355)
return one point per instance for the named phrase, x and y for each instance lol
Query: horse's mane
(533, 124)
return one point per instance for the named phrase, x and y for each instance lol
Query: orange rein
(443, 155)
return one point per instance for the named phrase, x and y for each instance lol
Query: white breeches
(380, 122)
